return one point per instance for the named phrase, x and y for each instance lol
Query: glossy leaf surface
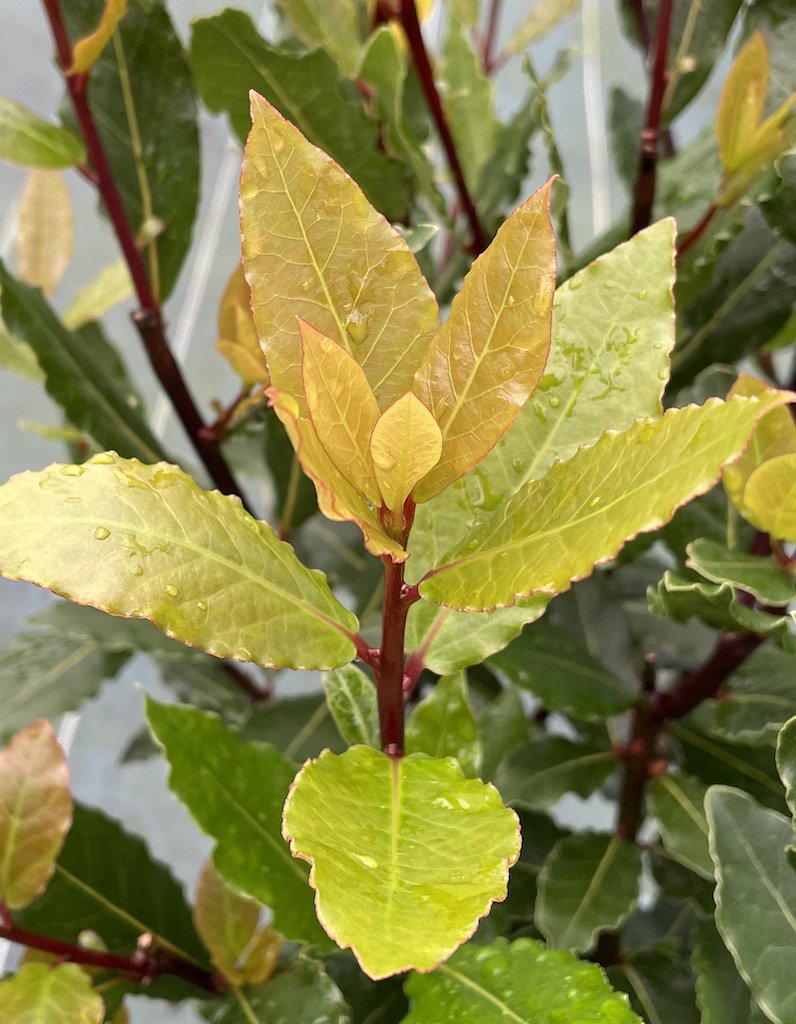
(352, 701)
(356, 818)
(406, 443)
(677, 802)
(27, 139)
(443, 725)
(158, 535)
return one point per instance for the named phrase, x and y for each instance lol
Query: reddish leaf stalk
(142, 966)
(390, 674)
(646, 178)
(407, 13)
(245, 683)
(149, 318)
(638, 757)
(697, 230)
(488, 48)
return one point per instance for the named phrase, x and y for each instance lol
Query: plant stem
(141, 966)
(638, 757)
(148, 319)
(407, 13)
(216, 432)
(488, 48)
(644, 192)
(245, 683)
(390, 676)
(697, 230)
(642, 22)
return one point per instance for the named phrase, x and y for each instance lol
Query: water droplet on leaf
(101, 533)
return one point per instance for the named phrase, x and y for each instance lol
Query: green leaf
(89, 891)
(17, 356)
(699, 33)
(443, 725)
(501, 727)
(35, 812)
(588, 884)
(235, 791)
(351, 816)
(353, 703)
(301, 992)
(75, 374)
(562, 675)
(538, 773)
(488, 356)
(660, 985)
(152, 145)
(677, 802)
(229, 57)
(625, 119)
(758, 576)
(581, 513)
(752, 870)
(337, 29)
(299, 727)
(519, 982)
(28, 140)
(111, 286)
(722, 996)
(174, 553)
(42, 994)
(543, 16)
(770, 497)
(786, 761)
(717, 604)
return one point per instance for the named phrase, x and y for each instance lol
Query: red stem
(642, 23)
(407, 13)
(644, 193)
(488, 48)
(149, 318)
(141, 966)
(697, 230)
(390, 675)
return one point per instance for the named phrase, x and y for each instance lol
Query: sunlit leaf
(538, 773)
(770, 497)
(742, 101)
(42, 994)
(406, 443)
(110, 287)
(86, 51)
(677, 802)
(581, 513)
(336, 28)
(35, 812)
(45, 230)
(27, 139)
(443, 725)
(353, 703)
(148, 542)
(520, 982)
(351, 817)
(758, 576)
(490, 353)
(237, 335)
(235, 791)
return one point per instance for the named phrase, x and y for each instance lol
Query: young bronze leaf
(354, 817)
(35, 812)
(342, 407)
(237, 335)
(555, 530)
(313, 247)
(487, 358)
(148, 542)
(405, 445)
(44, 994)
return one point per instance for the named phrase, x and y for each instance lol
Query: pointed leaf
(235, 791)
(229, 925)
(583, 511)
(314, 248)
(742, 102)
(350, 816)
(443, 725)
(490, 353)
(35, 812)
(27, 139)
(237, 335)
(786, 761)
(82, 374)
(110, 287)
(172, 553)
(86, 51)
(342, 407)
(405, 445)
(538, 773)
(45, 230)
(352, 699)
(770, 497)
(521, 982)
(758, 576)
(41, 994)
(747, 844)
(677, 802)
(588, 884)
(337, 28)
(721, 995)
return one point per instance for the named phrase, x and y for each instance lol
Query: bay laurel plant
(539, 547)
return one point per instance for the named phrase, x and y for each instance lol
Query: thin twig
(697, 230)
(149, 317)
(490, 37)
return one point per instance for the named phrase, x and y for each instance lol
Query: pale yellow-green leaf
(148, 542)
(17, 356)
(335, 27)
(770, 497)
(237, 335)
(41, 994)
(407, 854)
(742, 101)
(45, 230)
(543, 16)
(229, 926)
(111, 286)
(488, 356)
(313, 247)
(342, 406)
(35, 812)
(87, 50)
(406, 443)
(443, 725)
(555, 530)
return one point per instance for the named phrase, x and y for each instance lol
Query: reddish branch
(398, 598)
(697, 230)
(149, 318)
(143, 966)
(644, 192)
(490, 37)
(642, 22)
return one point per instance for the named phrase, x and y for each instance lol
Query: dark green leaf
(501, 727)
(660, 986)
(699, 34)
(721, 995)
(538, 773)
(677, 802)
(370, 1002)
(299, 727)
(626, 119)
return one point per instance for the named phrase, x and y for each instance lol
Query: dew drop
(171, 590)
(72, 470)
(202, 606)
(103, 459)
(132, 401)
(642, 295)
(595, 502)
(516, 465)
(369, 862)
(554, 402)
(511, 300)
(440, 801)
(101, 533)
(305, 286)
